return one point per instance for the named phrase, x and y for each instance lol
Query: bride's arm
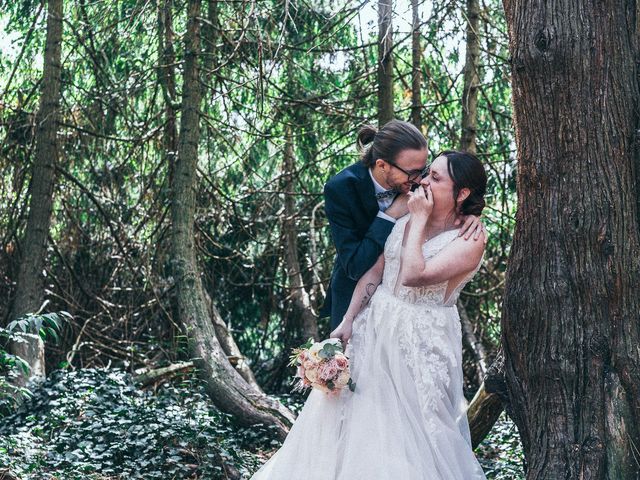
(365, 288)
(456, 259)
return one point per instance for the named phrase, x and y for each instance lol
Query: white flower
(314, 350)
(343, 378)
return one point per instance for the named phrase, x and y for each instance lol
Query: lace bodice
(429, 294)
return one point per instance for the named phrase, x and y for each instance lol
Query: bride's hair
(466, 171)
(386, 143)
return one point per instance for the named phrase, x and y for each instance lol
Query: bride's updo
(466, 171)
(386, 143)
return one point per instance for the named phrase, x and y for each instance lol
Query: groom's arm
(356, 254)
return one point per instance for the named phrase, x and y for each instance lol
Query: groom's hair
(386, 143)
(467, 171)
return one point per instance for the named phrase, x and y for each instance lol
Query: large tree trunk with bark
(30, 292)
(471, 78)
(385, 62)
(571, 319)
(229, 391)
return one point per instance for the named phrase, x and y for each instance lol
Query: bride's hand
(421, 201)
(343, 331)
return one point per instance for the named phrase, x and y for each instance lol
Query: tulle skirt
(406, 419)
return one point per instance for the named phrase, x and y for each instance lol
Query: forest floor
(96, 424)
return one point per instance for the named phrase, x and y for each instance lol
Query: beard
(400, 187)
(403, 187)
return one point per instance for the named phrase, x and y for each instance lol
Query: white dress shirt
(383, 203)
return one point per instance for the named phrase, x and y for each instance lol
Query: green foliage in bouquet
(329, 350)
(293, 358)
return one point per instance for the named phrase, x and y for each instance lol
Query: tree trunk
(167, 80)
(473, 344)
(486, 406)
(229, 391)
(571, 321)
(29, 291)
(230, 347)
(471, 78)
(482, 414)
(209, 34)
(298, 295)
(416, 73)
(488, 402)
(385, 62)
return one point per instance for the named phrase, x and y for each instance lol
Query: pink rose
(311, 374)
(341, 362)
(327, 371)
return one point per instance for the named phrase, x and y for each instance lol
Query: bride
(406, 419)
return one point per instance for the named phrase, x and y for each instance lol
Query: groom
(363, 202)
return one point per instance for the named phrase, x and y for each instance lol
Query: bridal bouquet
(322, 365)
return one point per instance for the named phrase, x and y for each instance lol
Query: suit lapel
(366, 189)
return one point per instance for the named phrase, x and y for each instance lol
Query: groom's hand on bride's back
(471, 225)
(399, 206)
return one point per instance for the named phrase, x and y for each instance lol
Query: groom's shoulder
(346, 177)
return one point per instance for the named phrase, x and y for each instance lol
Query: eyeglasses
(412, 175)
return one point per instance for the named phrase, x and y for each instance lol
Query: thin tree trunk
(30, 292)
(416, 72)
(471, 78)
(472, 342)
(571, 318)
(385, 62)
(298, 295)
(489, 401)
(485, 407)
(167, 80)
(209, 34)
(483, 412)
(230, 347)
(229, 391)
(227, 342)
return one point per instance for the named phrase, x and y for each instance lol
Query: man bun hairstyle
(467, 171)
(386, 143)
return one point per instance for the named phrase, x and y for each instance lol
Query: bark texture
(385, 62)
(229, 391)
(571, 319)
(30, 293)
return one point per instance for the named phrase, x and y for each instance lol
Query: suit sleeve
(356, 254)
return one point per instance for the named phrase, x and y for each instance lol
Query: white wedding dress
(407, 418)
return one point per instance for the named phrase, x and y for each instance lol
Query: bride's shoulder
(470, 246)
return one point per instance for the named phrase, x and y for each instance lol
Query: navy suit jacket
(358, 235)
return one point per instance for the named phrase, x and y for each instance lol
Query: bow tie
(386, 194)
